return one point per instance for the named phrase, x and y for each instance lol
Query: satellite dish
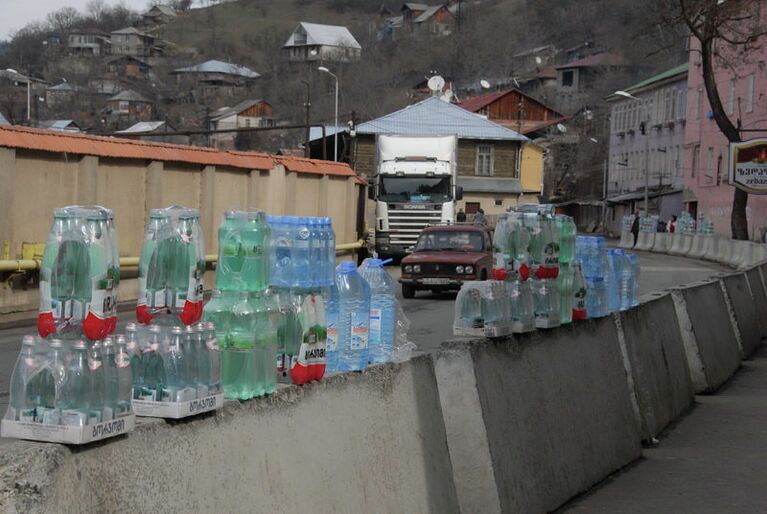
(538, 60)
(485, 84)
(436, 83)
(447, 96)
(561, 128)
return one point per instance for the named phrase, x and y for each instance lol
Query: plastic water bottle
(546, 296)
(152, 366)
(383, 311)
(613, 274)
(95, 287)
(331, 255)
(112, 386)
(263, 337)
(123, 366)
(567, 232)
(565, 286)
(176, 367)
(579, 294)
(624, 279)
(202, 355)
(469, 306)
(214, 353)
(635, 268)
(269, 341)
(255, 238)
(331, 318)
(23, 398)
(238, 371)
(219, 312)
(317, 250)
(98, 384)
(230, 254)
(189, 349)
(281, 251)
(76, 391)
(302, 269)
(353, 317)
(596, 298)
(134, 348)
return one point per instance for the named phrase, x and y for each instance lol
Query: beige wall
(487, 201)
(35, 183)
(531, 174)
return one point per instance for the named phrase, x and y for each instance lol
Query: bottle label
(580, 299)
(375, 324)
(122, 360)
(551, 254)
(359, 332)
(332, 341)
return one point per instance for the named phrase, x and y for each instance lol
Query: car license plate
(435, 281)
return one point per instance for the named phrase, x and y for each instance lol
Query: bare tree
(724, 29)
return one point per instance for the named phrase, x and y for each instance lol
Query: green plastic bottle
(230, 253)
(239, 369)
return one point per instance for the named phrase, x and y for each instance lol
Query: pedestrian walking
(635, 227)
(461, 216)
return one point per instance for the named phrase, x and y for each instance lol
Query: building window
(484, 160)
(498, 201)
(472, 207)
(681, 104)
(750, 92)
(710, 164)
(567, 78)
(731, 98)
(698, 103)
(695, 160)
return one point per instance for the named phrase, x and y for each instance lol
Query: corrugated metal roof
(324, 35)
(315, 133)
(640, 194)
(677, 71)
(130, 30)
(436, 117)
(67, 125)
(224, 68)
(237, 109)
(65, 142)
(4, 120)
(129, 95)
(490, 185)
(428, 13)
(142, 126)
(476, 103)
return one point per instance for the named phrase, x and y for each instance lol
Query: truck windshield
(443, 240)
(415, 189)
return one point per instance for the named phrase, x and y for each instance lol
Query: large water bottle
(635, 268)
(75, 399)
(383, 311)
(218, 311)
(331, 318)
(469, 307)
(579, 293)
(317, 250)
(502, 248)
(624, 278)
(567, 234)
(23, 398)
(281, 250)
(124, 375)
(187, 267)
(269, 341)
(264, 338)
(153, 266)
(613, 273)
(302, 267)
(546, 294)
(238, 367)
(114, 267)
(111, 380)
(353, 317)
(522, 303)
(596, 298)
(255, 239)
(214, 353)
(94, 288)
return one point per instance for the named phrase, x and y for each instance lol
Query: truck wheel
(408, 291)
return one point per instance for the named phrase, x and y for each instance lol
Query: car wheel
(483, 275)
(408, 291)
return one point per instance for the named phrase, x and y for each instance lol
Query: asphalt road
(430, 315)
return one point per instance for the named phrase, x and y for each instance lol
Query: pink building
(743, 90)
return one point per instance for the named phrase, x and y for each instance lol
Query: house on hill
(131, 41)
(417, 18)
(215, 80)
(577, 78)
(62, 95)
(88, 42)
(314, 42)
(59, 125)
(127, 66)
(246, 114)
(158, 15)
(489, 155)
(436, 20)
(128, 107)
(514, 109)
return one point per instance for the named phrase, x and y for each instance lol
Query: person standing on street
(479, 218)
(635, 227)
(671, 225)
(461, 216)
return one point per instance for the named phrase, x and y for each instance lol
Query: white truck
(414, 186)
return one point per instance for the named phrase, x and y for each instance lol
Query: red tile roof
(100, 146)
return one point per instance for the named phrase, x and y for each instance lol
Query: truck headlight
(408, 269)
(417, 268)
(459, 269)
(469, 270)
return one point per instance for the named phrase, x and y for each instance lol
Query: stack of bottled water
(494, 308)
(79, 275)
(612, 277)
(566, 278)
(172, 364)
(303, 252)
(171, 267)
(686, 224)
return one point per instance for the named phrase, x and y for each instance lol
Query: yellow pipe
(132, 262)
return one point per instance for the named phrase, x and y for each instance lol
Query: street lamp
(645, 124)
(323, 69)
(29, 96)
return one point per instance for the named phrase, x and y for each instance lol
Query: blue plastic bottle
(613, 273)
(353, 317)
(302, 272)
(331, 318)
(634, 262)
(383, 311)
(331, 255)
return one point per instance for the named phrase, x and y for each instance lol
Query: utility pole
(307, 150)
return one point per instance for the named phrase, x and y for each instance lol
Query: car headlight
(408, 269)
(459, 269)
(468, 269)
(417, 268)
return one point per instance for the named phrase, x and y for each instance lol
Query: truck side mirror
(371, 192)
(458, 192)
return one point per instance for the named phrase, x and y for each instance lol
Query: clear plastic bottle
(175, 360)
(238, 372)
(565, 286)
(281, 250)
(153, 265)
(23, 397)
(255, 239)
(613, 273)
(330, 269)
(189, 349)
(302, 269)
(124, 375)
(134, 347)
(268, 340)
(214, 353)
(219, 312)
(331, 318)
(93, 286)
(383, 311)
(596, 298)
(579, 292)
(635, 269)
(230, 253)
(353, 317)
(153, 367)
(76, 391)
(624, 279)
(111, 380)
(98, 383)
(546, 293)
(203, 360)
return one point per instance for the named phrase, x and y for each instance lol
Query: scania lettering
(414, 186)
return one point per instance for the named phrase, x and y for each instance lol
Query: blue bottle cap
(375, 263)
(346, 267)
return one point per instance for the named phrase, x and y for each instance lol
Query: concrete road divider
(657, 361)
(726, 249)
(712, 250)
(645, 241)
(737, 256)
(742, 311)
(680, 244)
(662, 242)
(627, 239)
(759, 295)
(698, 247)
(369, 442)
(710, 340)
(557, 410)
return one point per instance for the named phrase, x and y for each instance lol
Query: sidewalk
(712, 461)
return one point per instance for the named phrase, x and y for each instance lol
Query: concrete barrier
(758, 293)
(760, 252)
(657, 363)
(742, 311)
(680, 244)
(645, 241)
(698, 246)
(725, 251)
(557, 410)
(627, 239)
(369, 442)
(712, 251)
(662, 242)
(710, 339)
(736, 256)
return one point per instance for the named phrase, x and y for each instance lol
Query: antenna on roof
(436, 83)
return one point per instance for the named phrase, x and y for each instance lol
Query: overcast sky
(14, 14)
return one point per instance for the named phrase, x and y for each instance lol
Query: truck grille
(405, 226)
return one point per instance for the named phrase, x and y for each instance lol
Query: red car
(446, 256)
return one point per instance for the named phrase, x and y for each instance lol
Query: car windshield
(442, 240)
(415, 189)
